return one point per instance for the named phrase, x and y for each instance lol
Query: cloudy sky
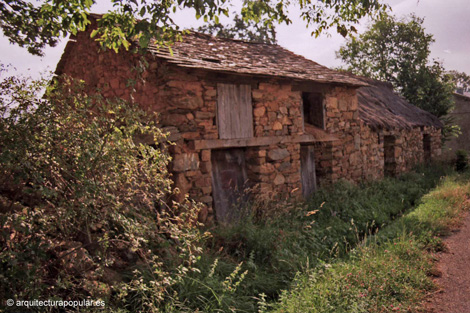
(448, 21)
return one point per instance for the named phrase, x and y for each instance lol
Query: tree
(35, 26)
(242, 29)
(397, 51)
(461, 80)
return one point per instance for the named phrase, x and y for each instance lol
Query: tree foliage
(397, 51)
(35, 26)
(242, 29)
(84, 207)
(461, 80)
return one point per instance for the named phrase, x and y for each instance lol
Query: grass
(246, 266)
(388, 271)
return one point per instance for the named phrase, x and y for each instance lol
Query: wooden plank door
(229, 182)
(234, 111)
(308, 173)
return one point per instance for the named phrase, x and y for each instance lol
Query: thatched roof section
(207, 52)
(381, 108)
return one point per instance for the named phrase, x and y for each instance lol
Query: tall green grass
(388, 271)
(275, 242)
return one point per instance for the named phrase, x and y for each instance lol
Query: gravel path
(454, 281)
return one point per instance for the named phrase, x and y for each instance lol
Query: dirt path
(454, 281)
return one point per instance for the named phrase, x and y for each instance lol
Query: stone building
(250, 115)
(460, 115)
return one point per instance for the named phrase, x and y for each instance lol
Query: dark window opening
(390, 164)
(314, 113)
(427, 147)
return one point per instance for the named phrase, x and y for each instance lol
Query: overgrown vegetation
(274, 248)
(83, 207)
(388, 272)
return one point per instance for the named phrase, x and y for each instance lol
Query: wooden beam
(312, 87)
(256, 141)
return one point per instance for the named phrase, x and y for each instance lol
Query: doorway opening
(390, 164)
(427, 147)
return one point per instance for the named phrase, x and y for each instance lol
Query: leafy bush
(83, 206)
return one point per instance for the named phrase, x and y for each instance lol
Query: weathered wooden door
(229, 183)
(234, 111)
(307, 167)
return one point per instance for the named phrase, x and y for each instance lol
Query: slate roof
(381, 108)
(202, 51)
(207, 52)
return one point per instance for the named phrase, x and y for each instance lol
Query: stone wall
(409, 149)
(186, 100)
(359, 152)
(186, 103)
(461, 117)
(340, 159)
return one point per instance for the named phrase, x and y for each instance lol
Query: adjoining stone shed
(250, 115)
(405, 134)
(460, 115)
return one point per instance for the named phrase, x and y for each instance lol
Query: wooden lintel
(311, 87)
(255, 141)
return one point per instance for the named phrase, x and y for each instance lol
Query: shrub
(83, 206)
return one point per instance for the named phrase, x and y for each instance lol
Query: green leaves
(397, 51)
(244, 29)
(36, 26)
(84, 192)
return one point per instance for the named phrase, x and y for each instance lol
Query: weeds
(301, 238)
(388, 271)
